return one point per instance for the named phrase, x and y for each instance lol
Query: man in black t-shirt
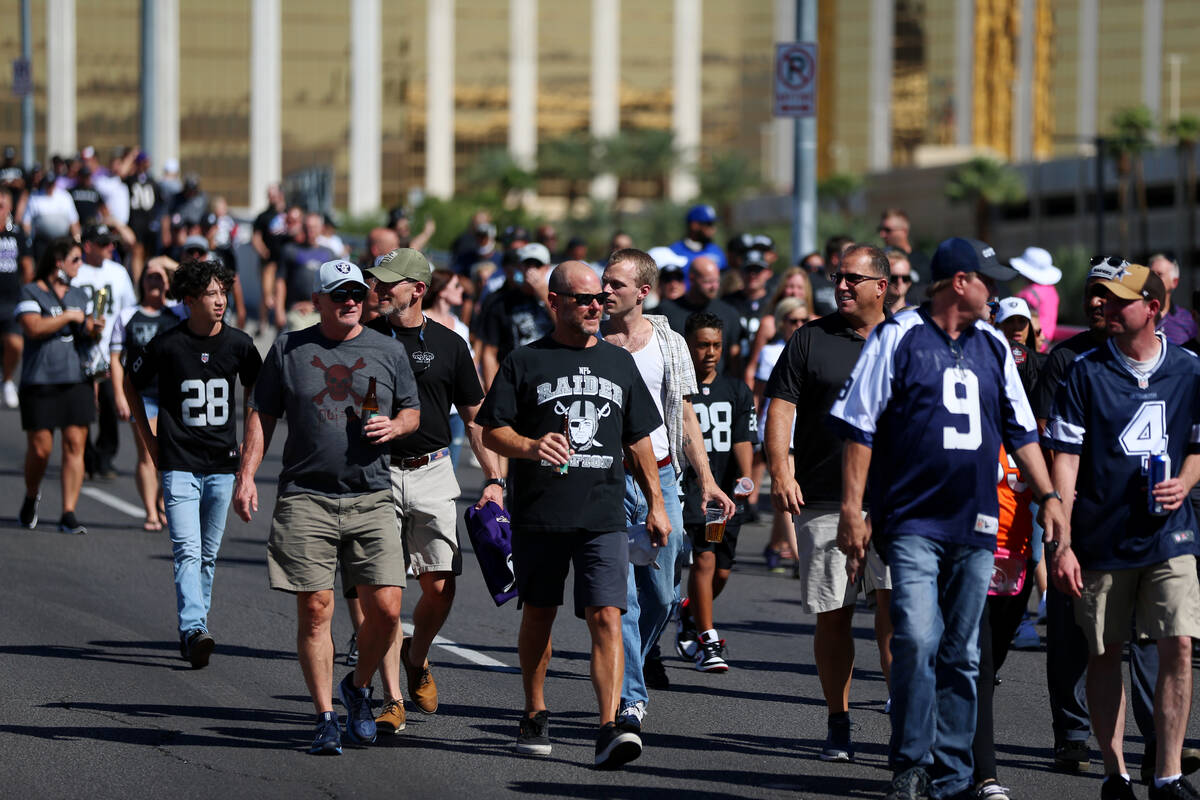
(704, 283)
(423, 483)
(729, 427)
(270, 232)
(145, 210)
(515, 314)
(195, 367)
(566, 410)
(815, 364)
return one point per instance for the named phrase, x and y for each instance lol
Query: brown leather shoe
(392, 720)
(421, 688)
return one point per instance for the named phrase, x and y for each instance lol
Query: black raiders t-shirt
(197, 416)
(273, 227)
(143, 202)
(140, 327)
(441, 363)
(607, 405)
(725, 409)
(14, 245)
(87, 203)
(512, 318)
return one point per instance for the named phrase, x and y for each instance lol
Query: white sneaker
(10, 395)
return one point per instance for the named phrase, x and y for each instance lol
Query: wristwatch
(503, 484)
(1042, 500)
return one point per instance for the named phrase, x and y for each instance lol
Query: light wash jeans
(197, 506)
(938, 593)
(653, 593)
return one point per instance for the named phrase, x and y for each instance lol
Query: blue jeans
(652, 592)
(458, 435)
(197, 505)
(938, 593)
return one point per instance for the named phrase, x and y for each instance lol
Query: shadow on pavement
(223, 650)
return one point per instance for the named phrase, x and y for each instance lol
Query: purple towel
(491, 538)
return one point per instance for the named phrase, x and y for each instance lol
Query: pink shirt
(1043, 300)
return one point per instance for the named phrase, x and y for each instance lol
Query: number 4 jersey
(197, 375)
(1114, 419)
(934, 411)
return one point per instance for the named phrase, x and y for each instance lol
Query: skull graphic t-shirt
(318, 384)
(606, 405)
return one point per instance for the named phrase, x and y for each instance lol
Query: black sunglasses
(900, 279)
(850, 278)
(585, 299)
(357, 294)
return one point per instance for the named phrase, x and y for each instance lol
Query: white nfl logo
(343, 268)
(204, 358)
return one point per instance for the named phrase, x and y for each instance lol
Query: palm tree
(642, 154)
(573, 158)
(985, 183)
(495, 170)
(1186, 133)
(724, 180)
(839, 189)
(1131, 137)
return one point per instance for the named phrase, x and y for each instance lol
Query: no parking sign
(796, 79)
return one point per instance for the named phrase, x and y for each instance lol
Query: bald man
(704, 284)
(568, 410)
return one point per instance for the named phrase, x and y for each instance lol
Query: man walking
(196, 365)
(662, 360)
(1126, 407)
(566, 410)
(940, 382)
(424, 486)
(334, 507)
(814, 366)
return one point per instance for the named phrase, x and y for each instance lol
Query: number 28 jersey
(1114, 420)
(934, 411)
(197, 375)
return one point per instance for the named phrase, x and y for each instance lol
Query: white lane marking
(467, 654)
(112, 501)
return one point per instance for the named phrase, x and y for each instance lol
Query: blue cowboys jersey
(934, 411)
(1114, 420)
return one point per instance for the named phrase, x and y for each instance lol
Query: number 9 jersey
(197, 375)
(934, 411)
(1115, 419)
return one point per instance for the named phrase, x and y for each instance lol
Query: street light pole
(27, 100)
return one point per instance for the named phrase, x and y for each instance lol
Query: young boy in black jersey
(725, 408)
(197, 364)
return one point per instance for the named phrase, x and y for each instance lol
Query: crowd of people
(926, 452)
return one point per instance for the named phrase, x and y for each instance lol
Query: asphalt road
(97, 703)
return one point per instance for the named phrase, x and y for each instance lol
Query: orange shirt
(1016, 520)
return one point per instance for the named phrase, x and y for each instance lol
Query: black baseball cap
(959, 254)
(98, 234)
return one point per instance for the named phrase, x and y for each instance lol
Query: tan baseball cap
(1135, 282)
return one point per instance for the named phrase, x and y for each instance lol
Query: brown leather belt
(420, 461)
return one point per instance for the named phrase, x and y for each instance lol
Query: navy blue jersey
(934, 411)
(1105, 414)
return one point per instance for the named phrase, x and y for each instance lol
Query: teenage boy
(196, 364)
(725, 408)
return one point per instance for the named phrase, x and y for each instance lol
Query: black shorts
(8, 323)
(53, 406)
(725, 550)
(601, 560)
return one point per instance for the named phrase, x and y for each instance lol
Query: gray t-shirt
(318, 384)
(53, 358)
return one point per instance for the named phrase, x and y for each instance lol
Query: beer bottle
(561, 470)
(370, 404)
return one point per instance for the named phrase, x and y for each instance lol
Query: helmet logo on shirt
(583, 418)
(339, 381)
(204, 358)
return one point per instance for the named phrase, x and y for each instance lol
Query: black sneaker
(1178, 789)
(912, 784)
(29, 512)
(616, 746)
(687, 640)
(709, 657)
(1116, 787)
(199, 647)
(328, 741)
(1072, 755)
(68, 524)
(655, 674)
(837, 739)
(534, 737)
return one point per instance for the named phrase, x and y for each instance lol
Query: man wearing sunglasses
(569, 411)
(424, 487)
(334, 508)
(939, 382)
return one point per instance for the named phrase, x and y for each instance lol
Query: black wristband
(503, 484)
(1042, 500)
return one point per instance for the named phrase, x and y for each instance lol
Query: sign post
(796, 97)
